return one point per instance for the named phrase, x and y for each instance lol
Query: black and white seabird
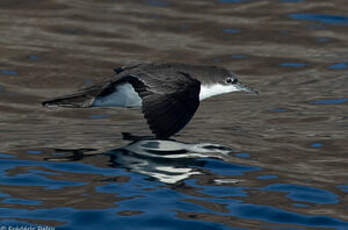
(169, 94)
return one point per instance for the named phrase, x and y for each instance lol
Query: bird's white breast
(123, 96)
(215, 89)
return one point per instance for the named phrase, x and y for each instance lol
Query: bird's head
(223, 79)
(232, 82)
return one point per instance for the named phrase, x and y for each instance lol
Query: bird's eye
(230, 80)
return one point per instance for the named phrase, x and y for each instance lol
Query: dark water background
(280, 159)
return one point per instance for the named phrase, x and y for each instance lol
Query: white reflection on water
(168, 161)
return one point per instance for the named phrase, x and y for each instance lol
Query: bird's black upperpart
(170, 92)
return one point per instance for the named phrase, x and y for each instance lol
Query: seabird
(169, 94)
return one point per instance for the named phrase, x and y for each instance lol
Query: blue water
(34, 151)
(153, 203)
(300, 205)
(33, 57)
(293, 64)
(343, 187)
(239, 56)
(323, 39)
(157, 3)
(339, 66)
(227, 169)
(278, 110)
(5, 155)
(8, 72)
(20, 201)
(322, 18)
(329, 101)
(231, 31)
(99, 116)
(317, 145)
(266, 177)
(242, 155)
(304, 193)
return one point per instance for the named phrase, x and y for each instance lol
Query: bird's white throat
(215, 89)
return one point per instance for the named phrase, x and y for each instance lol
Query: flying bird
(169, 94)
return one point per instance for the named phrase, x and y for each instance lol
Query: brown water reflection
(52, 47)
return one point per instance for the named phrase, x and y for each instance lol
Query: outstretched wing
(169, 102)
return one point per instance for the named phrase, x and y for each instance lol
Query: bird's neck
(214, 90)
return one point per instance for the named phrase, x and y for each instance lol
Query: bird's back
(169, 93)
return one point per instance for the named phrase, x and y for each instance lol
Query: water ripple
(244, 162)
(323, 18)
(275, 215)
(329, 101)
(339, 66)
(304, 193)
(8, 72)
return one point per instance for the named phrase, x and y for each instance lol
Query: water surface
(273, 161)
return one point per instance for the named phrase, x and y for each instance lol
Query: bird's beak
(242, 87)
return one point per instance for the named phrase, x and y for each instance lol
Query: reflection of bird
(168, 161)
(169, 94)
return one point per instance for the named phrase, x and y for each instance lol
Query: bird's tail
(72, 101)
(82, 99)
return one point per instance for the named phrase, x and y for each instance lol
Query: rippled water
(275, 161)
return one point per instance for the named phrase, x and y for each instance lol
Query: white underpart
(124, 96)
(216, 89)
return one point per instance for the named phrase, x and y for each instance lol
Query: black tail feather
(82, 99)
(78, 101)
